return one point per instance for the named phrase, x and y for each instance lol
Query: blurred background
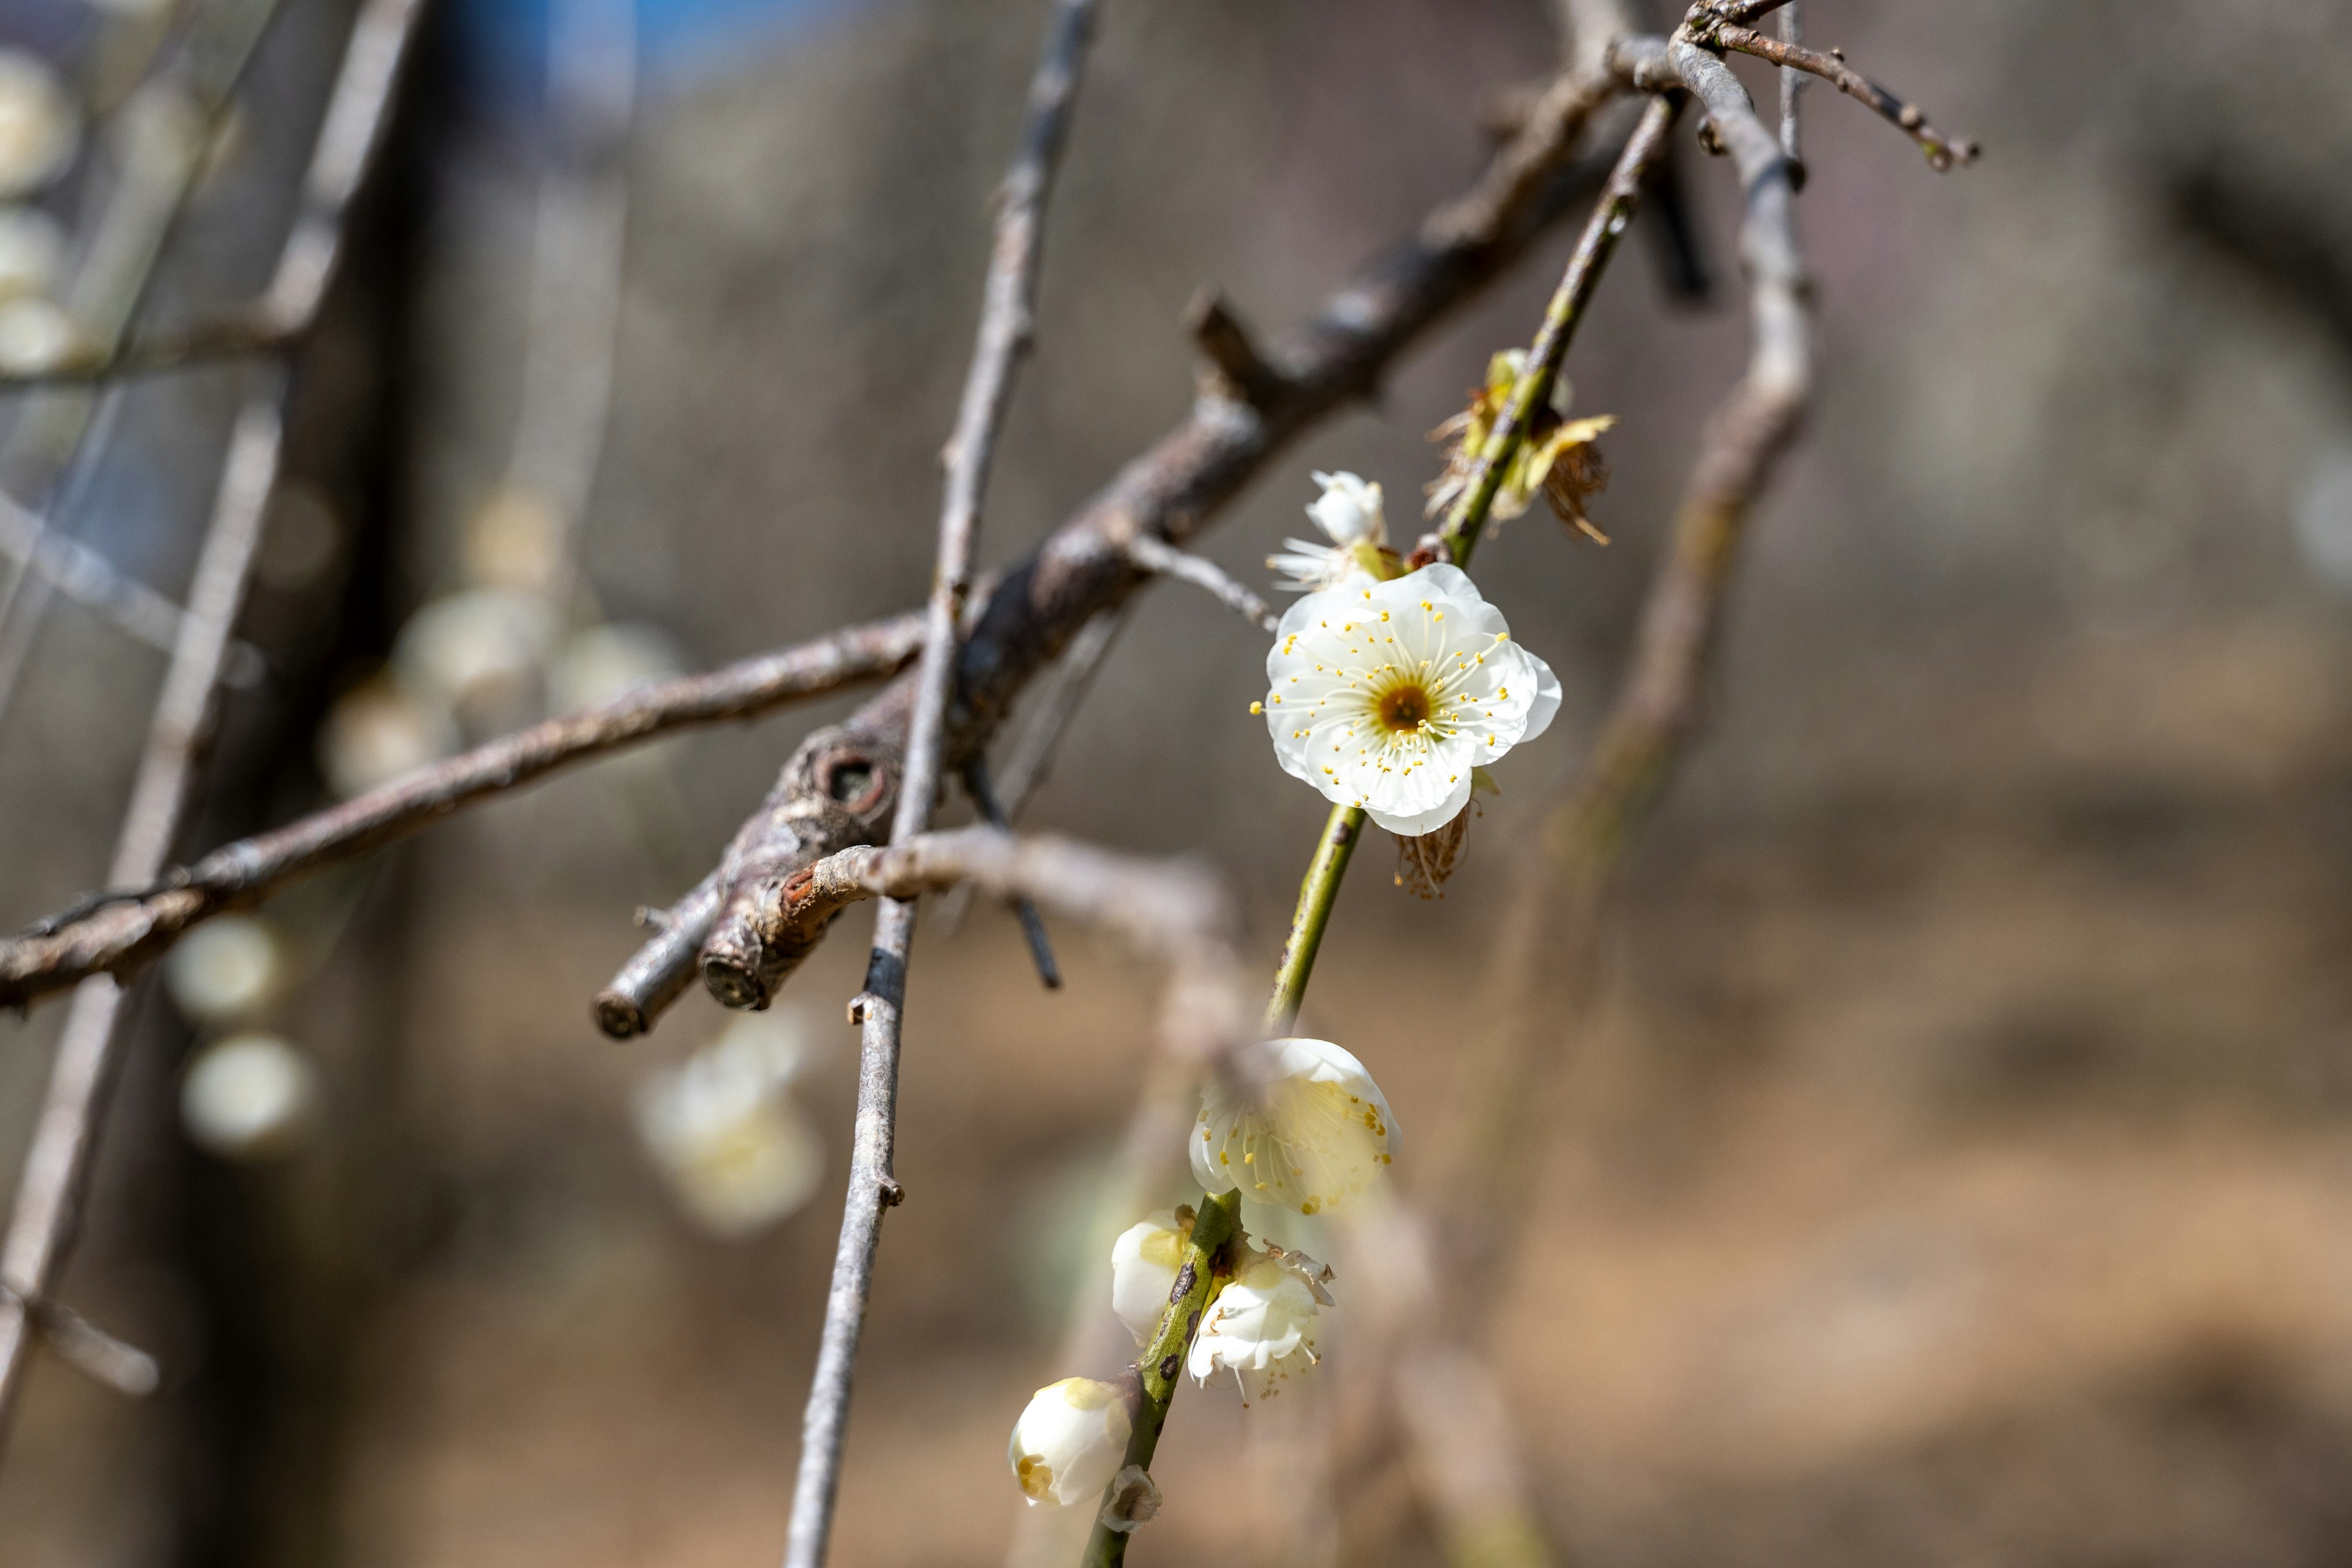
(1959, 1167)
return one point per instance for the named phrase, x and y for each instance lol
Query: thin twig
(1165, 560)
(120, 933)
(1006, 328)
(660, 971)
(982, 790)
(87, 578)
(1942, 154)
(88, 1349)
(1792, 83)
(57, 1167)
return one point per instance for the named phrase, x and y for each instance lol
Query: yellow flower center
(1403, 709)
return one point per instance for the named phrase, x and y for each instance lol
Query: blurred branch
(1792, 84)
(834, 789)
(87, 578)
(1832, 67)
(57, 1167)
(114, 933)
(289, 306)
(1164, 560)
(982, 791)
(87, 1348)
(1007, 328)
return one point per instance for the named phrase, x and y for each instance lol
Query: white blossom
(32, 252)
(1069, 1442)
(39, 126)
(1386, 695)
(1348, 514)
(1144, 1262)
(35, 335)
(1261, 1327)
(738, 1152)
(227, 971)
(249, 1097)
(1310, 1132)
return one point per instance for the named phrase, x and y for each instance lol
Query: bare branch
(1832, 67)
(87, 1348)
(117, 934)
(1164, 560)
(1792, 84)
(982, 791)
(57, 1168)
(660, 971)
(1006, 327)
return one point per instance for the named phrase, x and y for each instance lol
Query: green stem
(1463, 525)
(1160, 1367)
(1316, 895)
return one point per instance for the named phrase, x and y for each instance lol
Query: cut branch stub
(838, 790)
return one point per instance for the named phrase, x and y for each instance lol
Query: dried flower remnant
(1261, 1327)
(1302, 1127)
(1134, 1501)
(1558, 459)
(1348, 514)
(1425, 862)
(1390, 696)
(1069, 1441)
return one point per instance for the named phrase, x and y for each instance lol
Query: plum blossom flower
(1348, 514)
(1069, 1442)
(1387, 695)
(1262, 1324)
(1309, 1134)
(1144, 1261)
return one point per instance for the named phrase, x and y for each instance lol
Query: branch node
(1235, 369)
(893, 1195)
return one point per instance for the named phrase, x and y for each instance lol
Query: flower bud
(1308, 1136)
(1143, 1265)
(1069, 1442)
(1348, 509)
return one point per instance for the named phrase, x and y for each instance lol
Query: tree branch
(1942, 155)
(1164, 560)
(115, 935)
(1006, 327)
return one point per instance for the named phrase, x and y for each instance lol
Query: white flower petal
(1311, 1134)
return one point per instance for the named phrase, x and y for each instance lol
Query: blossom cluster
(1301, 1129)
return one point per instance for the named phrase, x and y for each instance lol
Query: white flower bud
(1348, 509)
(1314, 1133)
(1143, 1265)
(251, 1097)
(1261, 1327)
(1069, 1442)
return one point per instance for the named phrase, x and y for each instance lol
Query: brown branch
(836, 790)
(116, 935)
(1832, 67)
(984, 799)
(1006, 328)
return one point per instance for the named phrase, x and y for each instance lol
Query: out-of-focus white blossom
(32, 253)
(249, 1097)
(39, 126)
(1261, 1327)
(1310, 1132)
(1387, 695)
(608, 661)
(377, 731)
(226, 970)
(35, 335)
(737, 1154)
(1348, 514)
(483, 645)
(515, 543)
(1069, 1442)
(1144, 1262)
